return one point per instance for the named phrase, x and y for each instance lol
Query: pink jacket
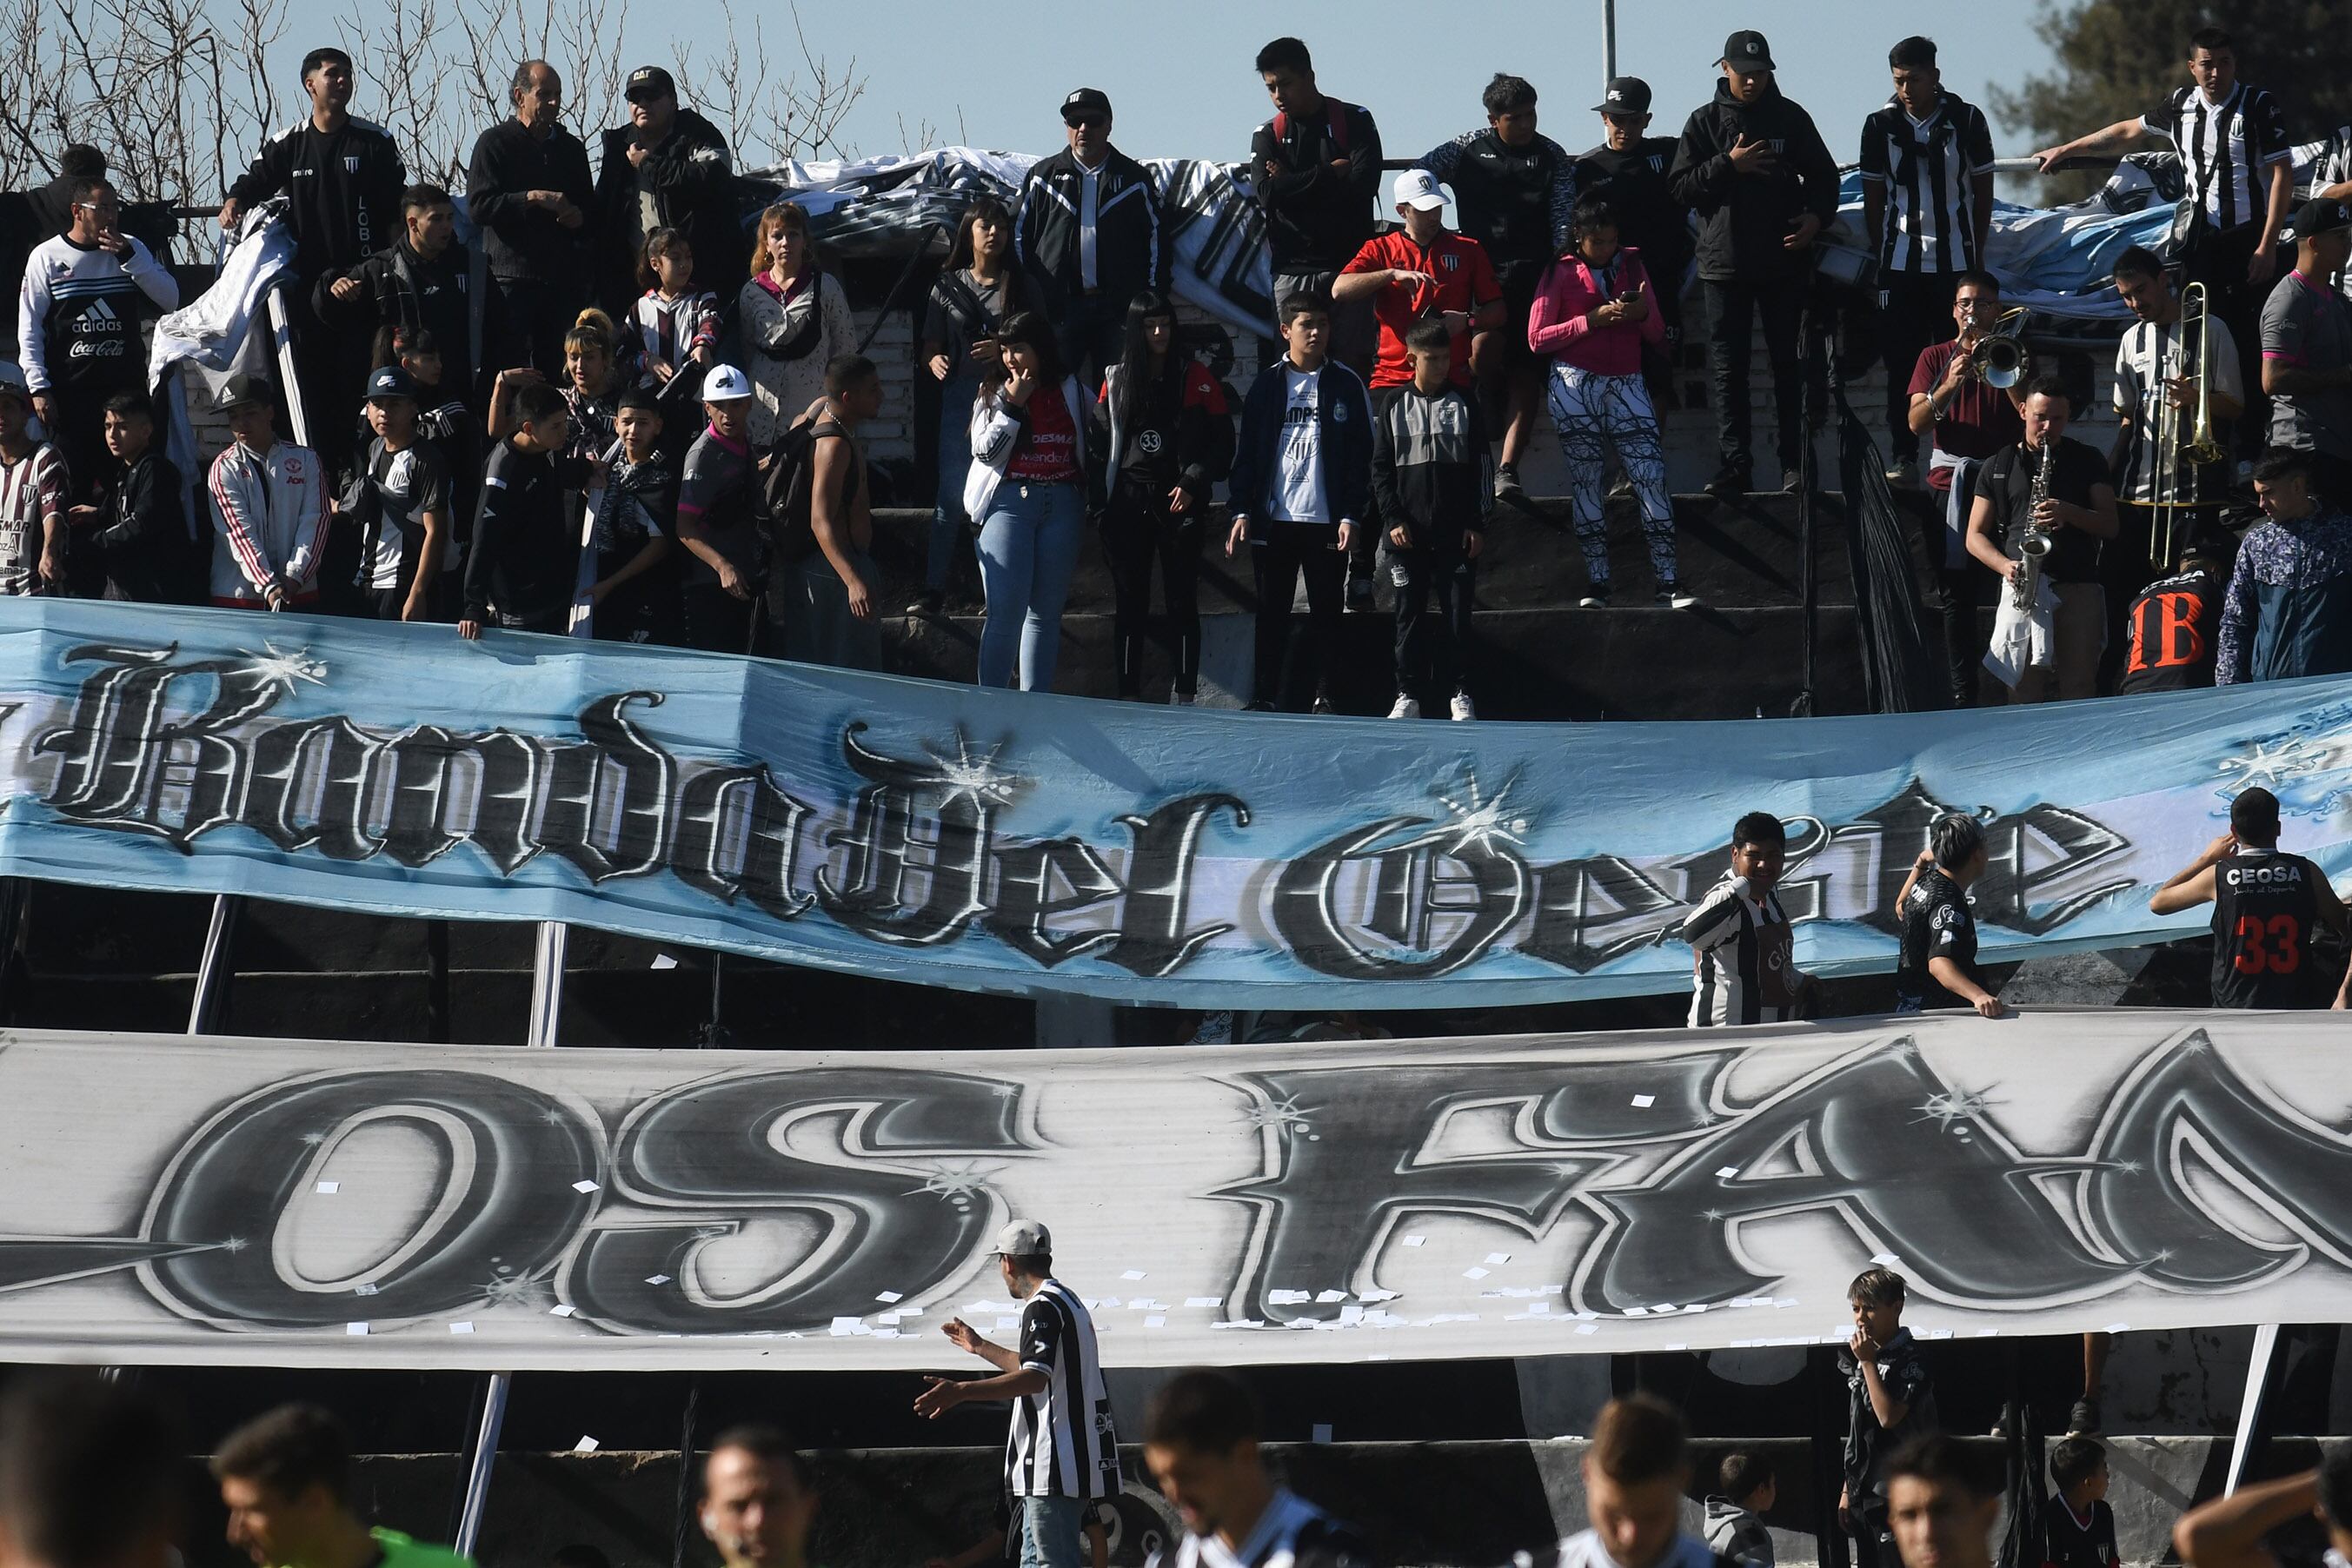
(1561, 325)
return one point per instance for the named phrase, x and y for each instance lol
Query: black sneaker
(1791, 480)
(1258, 708)
(1730, 483)
(2083, 1421)
(1360, 593)
(1323, 704)
(1506, 483)
(1596, 597)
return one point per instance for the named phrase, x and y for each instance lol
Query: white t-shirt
(1301, 496)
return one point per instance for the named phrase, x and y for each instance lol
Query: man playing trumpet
(2058, 488)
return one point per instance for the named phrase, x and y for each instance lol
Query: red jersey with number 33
(2263, 906)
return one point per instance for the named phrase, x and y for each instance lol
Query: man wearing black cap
(1628, 171)
(2308, 351)
(1754, 168)
(1927, 200)
(400, 504)
(527, 185)
(1090, 232)
(342, 178)
(667, 168)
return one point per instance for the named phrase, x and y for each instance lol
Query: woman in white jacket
(790, 320)
(1027, 490)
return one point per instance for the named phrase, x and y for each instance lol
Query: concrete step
(1736, 555)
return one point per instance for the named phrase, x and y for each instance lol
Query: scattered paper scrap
(1325, 1297)
(664, 961)
(1415, 1240)
(2117, 1328)
(1204, 1300)
(586, 1444)
(1498, 1257)
(1289, 1298)
(888, 1298)
(1474, 1273)
(355, 1328)
(1588, 1328)
(364, 1288)
(1155, 1321)
(563, 1310)
(461, 1328)
(656, 1279)
(1727, 1172)
(1643, 1101)
(1132, 1274)
(1380, 1296)
(584, 1185)
(1886, 1259)
(330, 1186)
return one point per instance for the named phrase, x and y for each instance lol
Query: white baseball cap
(725, 384)
(1023, 1238)
(1418, 189)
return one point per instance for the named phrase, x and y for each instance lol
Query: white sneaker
(1462, 708)
(1406, 707)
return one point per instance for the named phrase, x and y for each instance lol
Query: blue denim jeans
(955, 394)
(1051, 1530)
(1028, 546)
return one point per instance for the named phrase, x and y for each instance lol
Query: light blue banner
(993, 841)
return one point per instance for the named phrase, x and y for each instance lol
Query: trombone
(1999, 359)
(2184, 438)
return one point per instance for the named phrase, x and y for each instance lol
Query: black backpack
(784, 495)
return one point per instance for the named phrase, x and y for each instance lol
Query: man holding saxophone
(2056, 494)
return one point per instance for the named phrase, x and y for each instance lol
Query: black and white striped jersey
(1291, 1534)
(1928, 170)
(2227, 148)
(2148, 356)
(1743, 958)
(1062, 1444)
(1585, 1550)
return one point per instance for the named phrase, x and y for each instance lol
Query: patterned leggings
(1591, 412)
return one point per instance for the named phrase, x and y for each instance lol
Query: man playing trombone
(2057, 489)
(1971, 420)
(2178, 389)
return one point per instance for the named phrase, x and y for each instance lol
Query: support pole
(486, 1454)
(547, 985)
(2250, 1409)
(215, 969)
(436, 982)
(1608, 45)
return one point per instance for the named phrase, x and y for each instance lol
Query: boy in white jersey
(1200, 1441)
(1635, 1474)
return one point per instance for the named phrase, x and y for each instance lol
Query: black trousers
(1915, 313)
(1092, 333)
(1279, 556)
(1432, 640)
(532, 316)
(714, 620)
(1733, 308)
(2218, 258)
(1138, 530)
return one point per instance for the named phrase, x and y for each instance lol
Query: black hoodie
(1744, 219)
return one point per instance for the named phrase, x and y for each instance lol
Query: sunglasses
(1085, 122)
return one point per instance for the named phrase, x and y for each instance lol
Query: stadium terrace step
(1738, 555)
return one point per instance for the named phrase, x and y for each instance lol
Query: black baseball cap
(650, 81)
(1626, 95)
(2318, 217)
(1087, 100)
(1748, 51)
(241, 389)
(391, 382)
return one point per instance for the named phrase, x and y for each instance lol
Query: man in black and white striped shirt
(1062, 1453)
(2238, 167)
(1926, 198)
(1743, 947)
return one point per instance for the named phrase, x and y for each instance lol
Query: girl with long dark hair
(1027, 486)
(1166, 437)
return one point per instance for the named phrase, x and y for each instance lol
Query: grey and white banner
(302, 1203)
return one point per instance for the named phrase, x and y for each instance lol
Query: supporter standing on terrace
(1315, 169)
(286, 1481)
(1936, 965)
(1628, 171)
(2266, 904)
(1028, 487)
(792, 320)
(980, 287)
(1090, 231)
(527, 186)
(2306, 343)
(1891, 1401)
(2288, 612)
(667, 168)
(1743, 945)
(1513, 192)
(1970, 421)
(1062, 1453)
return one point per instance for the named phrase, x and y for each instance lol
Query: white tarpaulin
(299, 1203)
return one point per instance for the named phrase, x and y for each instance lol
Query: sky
(1181, 82)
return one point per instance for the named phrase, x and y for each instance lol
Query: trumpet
(2184, 441)
(1999, 359)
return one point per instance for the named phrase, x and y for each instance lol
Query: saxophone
(2025, 582)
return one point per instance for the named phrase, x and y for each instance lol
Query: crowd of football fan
(647, 424)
